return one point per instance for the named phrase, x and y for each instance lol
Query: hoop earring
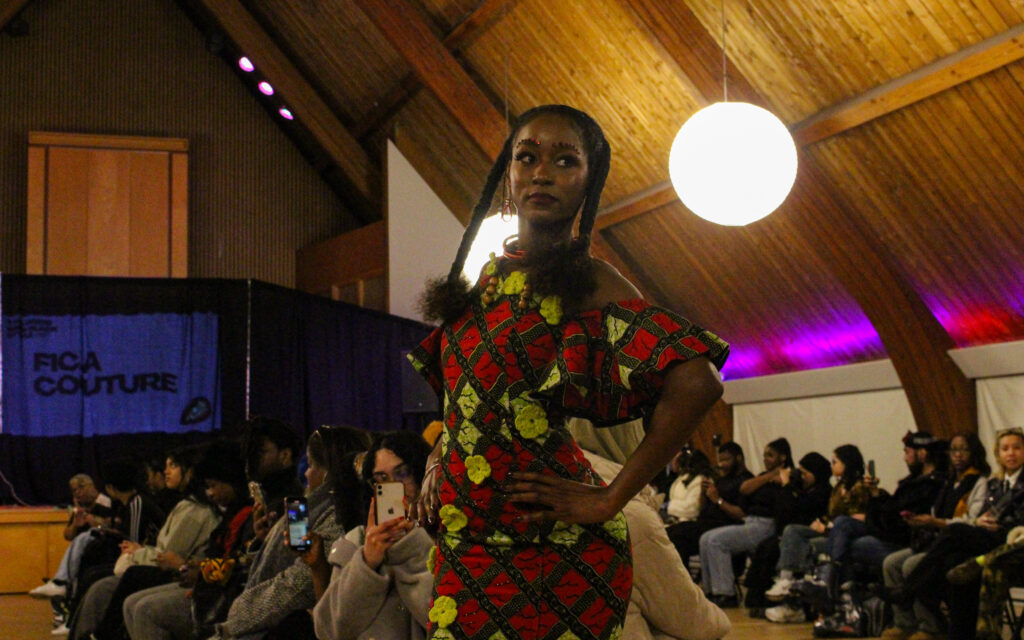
(508, 207)
(508, 210)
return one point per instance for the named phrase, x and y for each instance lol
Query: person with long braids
(532, 542)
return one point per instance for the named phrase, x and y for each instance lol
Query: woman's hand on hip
(547, 497)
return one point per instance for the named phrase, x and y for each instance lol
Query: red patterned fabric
(509, 381)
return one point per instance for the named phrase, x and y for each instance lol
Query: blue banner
(98, 375)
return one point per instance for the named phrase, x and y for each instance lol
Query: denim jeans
(797, 547)
(719, 545)
(916, 617)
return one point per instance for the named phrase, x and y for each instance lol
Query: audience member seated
(89, 507)
(866, 543)
(271, 449)
(720, 498)
(961, 499)
(279, 589)
(130, 516)
(183, 537)
(664, 603)
(997, 571)
(156, 486)
(804, 498)
(165, 612)
(691, 468)
(960, 541)
(758, 502)
(380, 584)
(800, 543)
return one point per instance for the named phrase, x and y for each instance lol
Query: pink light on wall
(245, 64)
(266, 89)
(286, 113)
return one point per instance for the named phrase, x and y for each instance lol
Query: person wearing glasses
(1003, 510)
(375, 583)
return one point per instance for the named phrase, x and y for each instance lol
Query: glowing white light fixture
(265, 88)
(732, 162)
(245, 64)
(286, 113)
(492, 233)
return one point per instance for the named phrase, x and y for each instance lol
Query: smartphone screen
(298, 522)
(390, 501)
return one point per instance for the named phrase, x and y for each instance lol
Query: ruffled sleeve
(610, 364)
(426, 357)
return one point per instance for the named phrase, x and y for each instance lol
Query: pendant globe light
(732, 163)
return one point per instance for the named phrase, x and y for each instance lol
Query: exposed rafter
(920, 84)
(485, 14)
(343, 149)
(941, 398)
(439, 71)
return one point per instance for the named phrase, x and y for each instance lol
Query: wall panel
(85, 67)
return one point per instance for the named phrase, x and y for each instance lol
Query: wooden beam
(479, 20)
(471, 27)
(439, 71)
(941, 397)
(920, 84)
(639, 203)
(343, 149)
(9, 9)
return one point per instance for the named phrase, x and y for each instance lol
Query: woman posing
(532, 546)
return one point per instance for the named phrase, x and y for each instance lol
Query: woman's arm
(751, 485)
(690, 389)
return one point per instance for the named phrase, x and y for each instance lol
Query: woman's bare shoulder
(612, 286)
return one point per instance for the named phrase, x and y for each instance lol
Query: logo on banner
(100, 375)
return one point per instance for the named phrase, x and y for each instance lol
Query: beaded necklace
(516, 284)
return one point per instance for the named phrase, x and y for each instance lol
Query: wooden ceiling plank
(343, 149)
(439, 71)
(920, 84)
(9, 9)
(942, 399)
(656, 196)
(475, 24)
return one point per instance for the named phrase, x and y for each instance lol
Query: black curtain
(316, 361)
(311, 361)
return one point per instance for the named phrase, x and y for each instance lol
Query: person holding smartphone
(375, 583)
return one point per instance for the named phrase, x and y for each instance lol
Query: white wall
(423, 235)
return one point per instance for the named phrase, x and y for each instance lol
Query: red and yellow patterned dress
(510, 377)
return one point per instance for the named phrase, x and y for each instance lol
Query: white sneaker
(780, 589)
(62, 630)
(785, 613)
(49, 590)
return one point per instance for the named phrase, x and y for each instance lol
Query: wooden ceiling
(903, 236)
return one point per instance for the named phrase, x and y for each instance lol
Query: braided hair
(565, 270)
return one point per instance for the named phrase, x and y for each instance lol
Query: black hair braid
(445, 298)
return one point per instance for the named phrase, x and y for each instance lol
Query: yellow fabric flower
(478, 469)
(432, 559)
(514, 283)
(531, 421)
(444, 611)
(551, 309)
(453, 518)
(617, 527)
(492, 265)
